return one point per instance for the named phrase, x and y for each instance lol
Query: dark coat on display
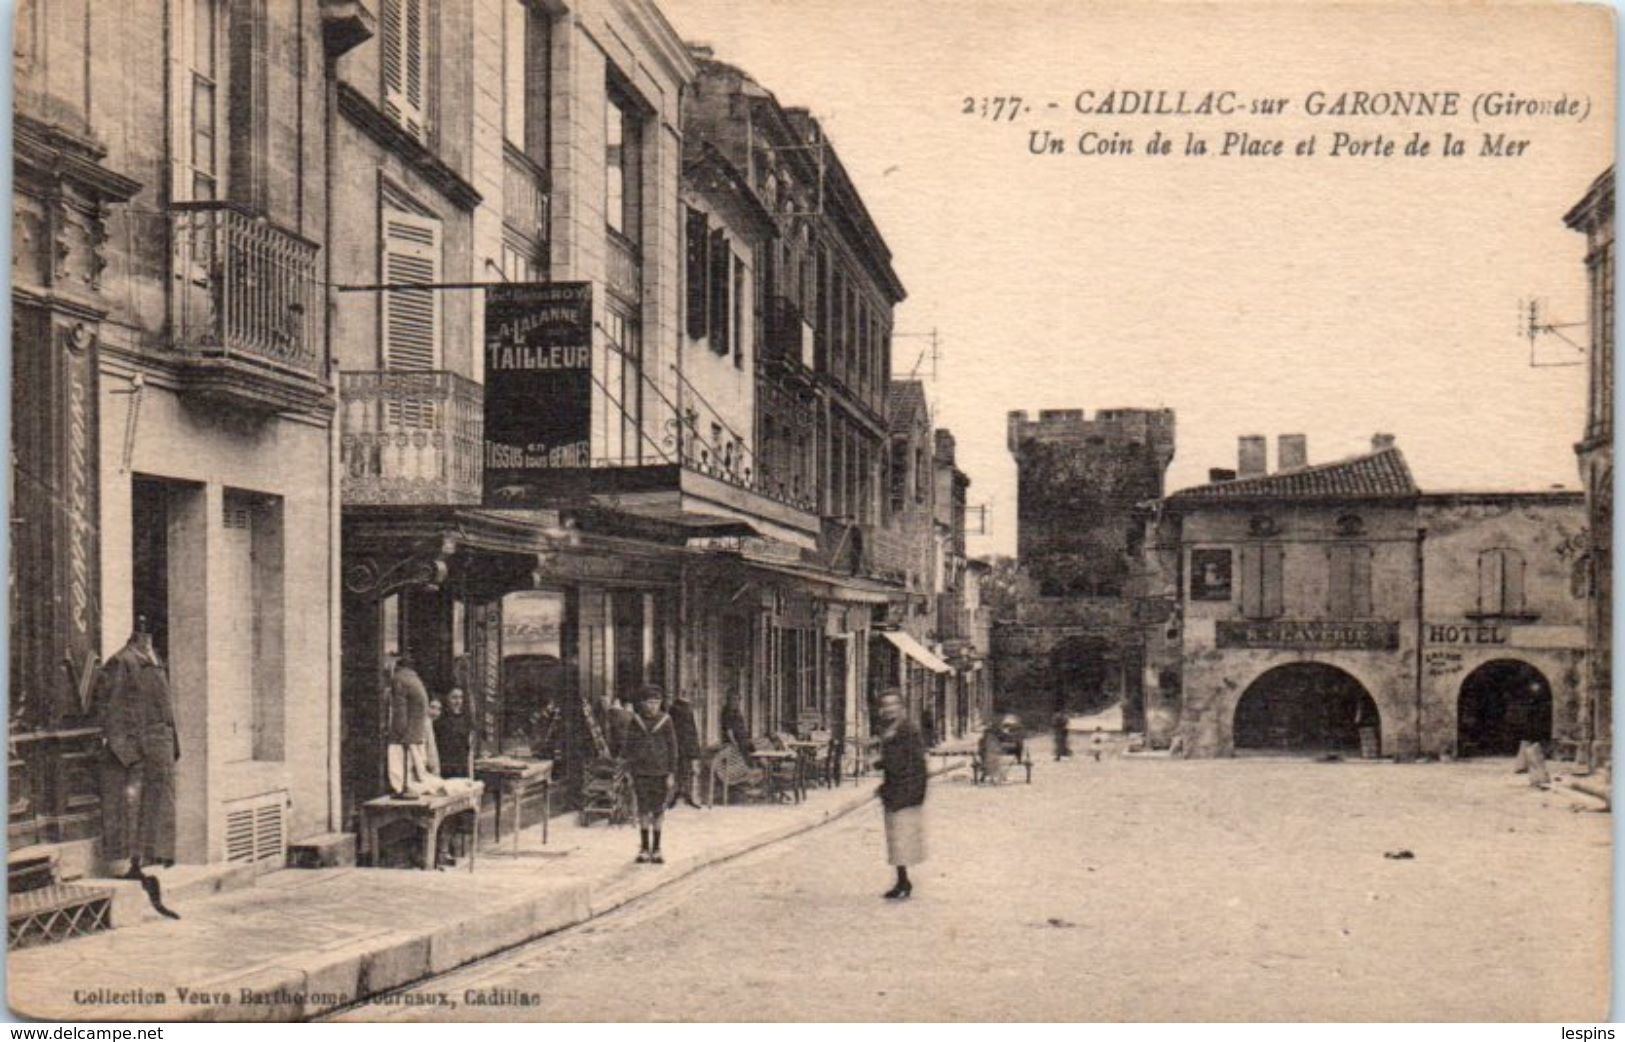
(902, 757)
(649, 747)
(137, 717)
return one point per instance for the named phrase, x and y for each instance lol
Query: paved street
(1128, 889)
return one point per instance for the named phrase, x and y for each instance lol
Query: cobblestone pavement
(1125, 889)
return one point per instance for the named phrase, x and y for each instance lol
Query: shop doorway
(1304, 707)
(1502, 703)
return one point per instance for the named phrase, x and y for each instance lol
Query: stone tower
(1075, 641)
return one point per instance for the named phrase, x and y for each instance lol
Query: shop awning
(916, 651)
(844, 588)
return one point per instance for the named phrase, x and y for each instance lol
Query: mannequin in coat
(137, 717)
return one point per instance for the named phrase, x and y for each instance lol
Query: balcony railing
(728, 460)
(623, 271)
(245, 288)
(411, 438)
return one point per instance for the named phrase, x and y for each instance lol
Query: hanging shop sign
(538, 386)
(1308, 635)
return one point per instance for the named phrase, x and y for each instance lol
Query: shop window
(1349, 582)
(534, 697)
(1262, 568)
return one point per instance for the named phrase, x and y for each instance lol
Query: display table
(516, 777)
(428, 813)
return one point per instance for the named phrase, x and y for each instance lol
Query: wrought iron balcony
(245, 290)
(411, 438)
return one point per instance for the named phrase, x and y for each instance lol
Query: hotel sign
(1309, 635)
(538, 384)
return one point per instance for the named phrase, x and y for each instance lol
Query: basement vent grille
(256, 831)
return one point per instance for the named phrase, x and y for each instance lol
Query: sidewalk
(301, 942)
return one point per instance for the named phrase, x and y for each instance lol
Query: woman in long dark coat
(902, 794)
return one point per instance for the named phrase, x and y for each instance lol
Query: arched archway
(1303, 707)
(1502, 703)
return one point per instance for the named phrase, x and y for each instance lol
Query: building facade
(1339, 608)
(1593, 217)
(174, 425)
(1077, 642)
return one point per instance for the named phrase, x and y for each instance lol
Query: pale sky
(1335, 297)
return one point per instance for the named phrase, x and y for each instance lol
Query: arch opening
(1502, 703)
(1304, 707)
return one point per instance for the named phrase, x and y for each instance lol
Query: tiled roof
(1381, 474)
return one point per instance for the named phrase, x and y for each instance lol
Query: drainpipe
(1421, 605)
(335, 539)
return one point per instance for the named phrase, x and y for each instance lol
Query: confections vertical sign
(538, 385)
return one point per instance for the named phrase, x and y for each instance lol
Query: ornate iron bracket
(376, 577)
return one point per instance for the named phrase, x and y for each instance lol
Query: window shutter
(391, 55)
(738, 280)
(719, 282)
(404, 50)
(417, 50)
(1252, 591)
(1511, 581)
(1360, 574)
(697, 263)
(1490, 588)
(411, 318)
(1339, 582)
(1272, 567)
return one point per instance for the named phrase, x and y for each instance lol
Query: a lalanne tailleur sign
(538, 385)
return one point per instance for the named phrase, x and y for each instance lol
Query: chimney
(1381, 441)
(1219, 475)
(1291, 451)
(1252, 456)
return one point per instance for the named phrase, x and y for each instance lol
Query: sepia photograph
(804, 511)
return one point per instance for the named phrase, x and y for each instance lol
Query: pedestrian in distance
(1063, 744)
(454, 736)
(649, 748)
(902, 793)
